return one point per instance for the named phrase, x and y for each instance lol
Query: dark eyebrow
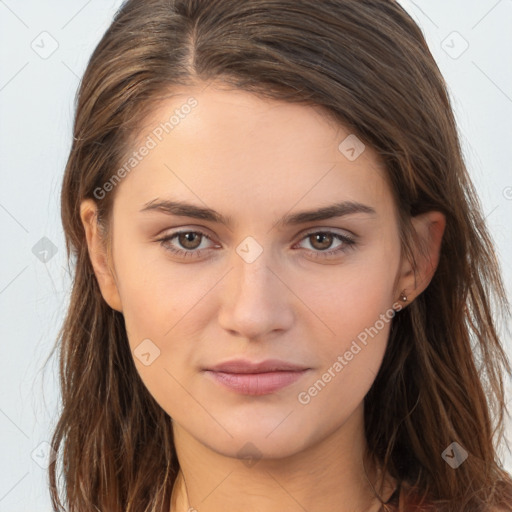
(184, 209)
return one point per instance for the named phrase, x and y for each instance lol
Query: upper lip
(245, 366)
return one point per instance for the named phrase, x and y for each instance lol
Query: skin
(256, 160)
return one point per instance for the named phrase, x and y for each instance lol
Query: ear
(429, 228)
(99, 255)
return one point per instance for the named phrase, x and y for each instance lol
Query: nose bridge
(252, 275)
(254, 301)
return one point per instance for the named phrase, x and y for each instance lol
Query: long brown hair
(367, 65)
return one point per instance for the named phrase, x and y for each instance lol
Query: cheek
(350, 298)
(338, 389)
(161, 321)
(355, 338)
(166, 303)
(155, 292)
(355, 309)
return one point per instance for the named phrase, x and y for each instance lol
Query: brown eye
(321, 244)
(324, 240)
(189, 239)
(186, 244)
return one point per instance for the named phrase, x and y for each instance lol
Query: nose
(256, 300)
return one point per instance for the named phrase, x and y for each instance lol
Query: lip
(256, 383)
(245, 366)
(251, 378)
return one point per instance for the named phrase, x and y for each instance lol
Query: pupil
(189, 239)
(322, 237)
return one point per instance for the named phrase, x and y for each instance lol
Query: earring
(403, 297)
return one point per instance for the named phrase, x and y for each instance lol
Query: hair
(366, 64)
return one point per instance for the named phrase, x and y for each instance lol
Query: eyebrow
(184, 209)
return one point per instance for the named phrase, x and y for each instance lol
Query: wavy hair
(367, 65)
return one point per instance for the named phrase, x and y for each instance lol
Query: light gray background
(36, 100)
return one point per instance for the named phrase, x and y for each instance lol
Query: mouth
(256, 383)
(256, 378)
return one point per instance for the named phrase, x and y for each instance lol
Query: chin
(253, 442)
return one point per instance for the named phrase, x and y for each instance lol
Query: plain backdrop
(43, 52)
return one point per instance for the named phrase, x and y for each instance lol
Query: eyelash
(348, 243)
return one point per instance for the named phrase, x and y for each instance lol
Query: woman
(283, 278)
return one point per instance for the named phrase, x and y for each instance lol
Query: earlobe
(429, 228)
(98, 255)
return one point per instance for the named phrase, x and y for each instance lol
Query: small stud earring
(403, 297)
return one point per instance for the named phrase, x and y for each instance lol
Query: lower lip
(256, 383)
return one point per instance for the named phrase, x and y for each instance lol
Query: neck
(328, 476)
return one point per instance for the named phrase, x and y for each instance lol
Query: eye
(321, 241)
(189, 240)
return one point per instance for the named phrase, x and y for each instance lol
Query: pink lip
(261, 383)
(251, 378)
(246, 366)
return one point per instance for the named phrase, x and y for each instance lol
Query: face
(255, 281)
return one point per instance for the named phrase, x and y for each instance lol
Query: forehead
(232, 148)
